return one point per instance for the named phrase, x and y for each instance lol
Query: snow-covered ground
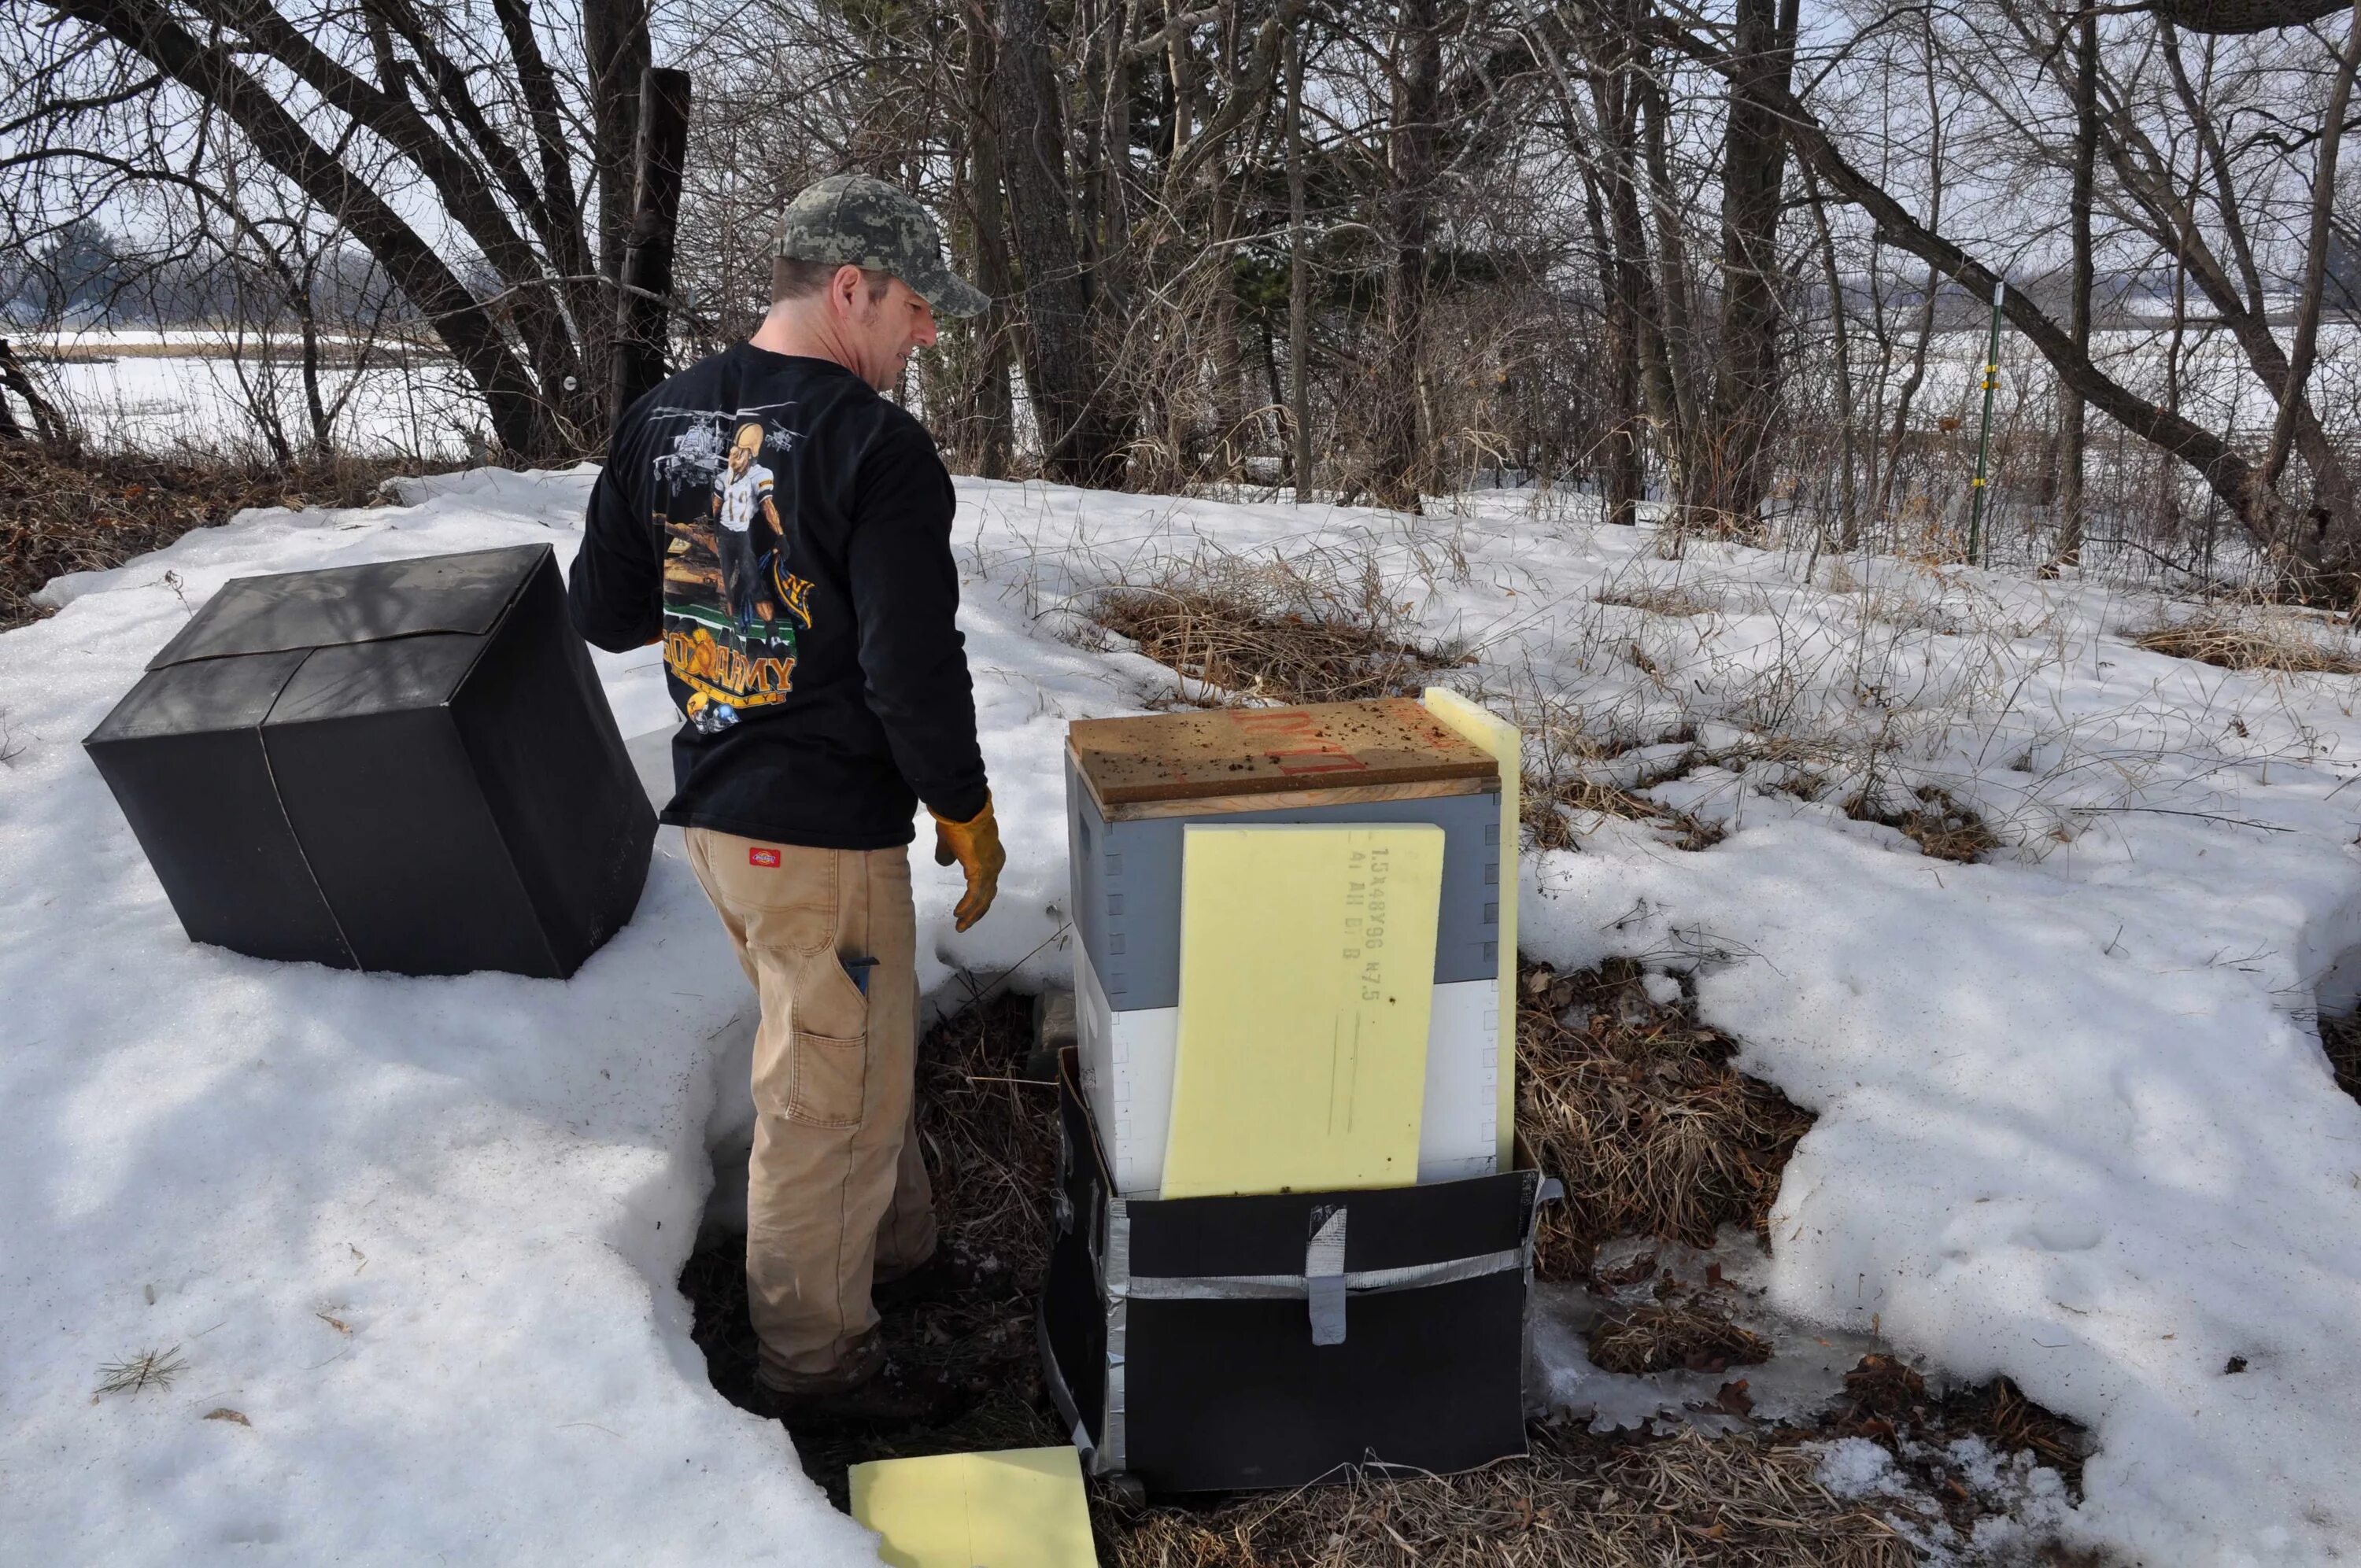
(421, 1235)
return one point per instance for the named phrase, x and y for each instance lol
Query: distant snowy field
(421, 1235)
(132, 392)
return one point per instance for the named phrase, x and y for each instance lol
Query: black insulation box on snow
(1217, 1343)
(405, 766)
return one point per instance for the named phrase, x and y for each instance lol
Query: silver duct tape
(1324, 1274)
(1115, 1270)
(1062, 1398)
(1297, 1286)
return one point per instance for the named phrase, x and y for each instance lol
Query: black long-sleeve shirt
(787, 531)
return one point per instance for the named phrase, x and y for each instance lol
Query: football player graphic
(740, 492)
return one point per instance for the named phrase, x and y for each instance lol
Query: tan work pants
(836, 1189)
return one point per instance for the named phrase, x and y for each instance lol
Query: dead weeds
(1658, 1336)
(1578, 1502)
(1283, 631)
(1574, 787)
(1672, 600)
(2255, 637)
(1940, 826)
(1633, 1104)
(2341, 1038)
(1890, 1403)
(65, 513)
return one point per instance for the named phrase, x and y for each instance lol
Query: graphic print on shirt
(731, 606)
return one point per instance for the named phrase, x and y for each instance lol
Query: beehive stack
(1136, 789)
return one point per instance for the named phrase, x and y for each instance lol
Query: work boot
(948, 1270)
(871, 1389)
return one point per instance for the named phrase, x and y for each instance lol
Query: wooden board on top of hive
(1390, 748)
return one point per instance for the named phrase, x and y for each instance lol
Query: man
(812, 738)
(738, 496)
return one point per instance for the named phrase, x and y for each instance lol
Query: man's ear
(847, 287)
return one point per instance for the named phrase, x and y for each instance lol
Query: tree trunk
(1832, 279)
(1080, 441)
(2070, 420)
(1400, 474)
(1668, 350)
(1298, 282)
(617, 54)
(1734, 478)
(993, 444)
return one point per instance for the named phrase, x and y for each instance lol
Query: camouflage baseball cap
(852, 220)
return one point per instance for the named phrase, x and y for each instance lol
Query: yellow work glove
(975, 844)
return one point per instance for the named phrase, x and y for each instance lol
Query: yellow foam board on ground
(1307, 974)
(1481, 727)
(1020, 1509)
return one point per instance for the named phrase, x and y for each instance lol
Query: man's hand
(975, 844)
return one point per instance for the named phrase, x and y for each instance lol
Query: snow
(129, 391)
(2074, 1124)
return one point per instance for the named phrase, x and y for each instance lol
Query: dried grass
(1664, 600)
(1888, 1402)
(1693, 1336)
(1573, 789)
(2255, 637)
(1578, 1503)
(1635, 1107)
(61, 512)
(1274, 631)
(2341, 1038)
(136, 1373)
(1940, 826)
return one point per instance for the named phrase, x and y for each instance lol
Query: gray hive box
(1132, 784)
(407, 766)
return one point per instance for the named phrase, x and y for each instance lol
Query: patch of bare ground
(1573, 787)
(69, 512)
(1890, 1404)
(990, 1133)
(1635, 1106)
(2256, 637)
(1250, 632)
(2341, 1038)
(1940, 826)
(1668, 600)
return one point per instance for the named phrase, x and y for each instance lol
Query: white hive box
(1126, 1062)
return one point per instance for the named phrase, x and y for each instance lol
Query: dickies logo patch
(760, 857)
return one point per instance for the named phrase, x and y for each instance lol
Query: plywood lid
(1267, 751)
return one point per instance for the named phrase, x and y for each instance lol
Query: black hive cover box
(404, 766)
(1182, 1339)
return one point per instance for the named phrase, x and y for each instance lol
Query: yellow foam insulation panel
(1484, 728)
(1307, 975)
(1021, 1508)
